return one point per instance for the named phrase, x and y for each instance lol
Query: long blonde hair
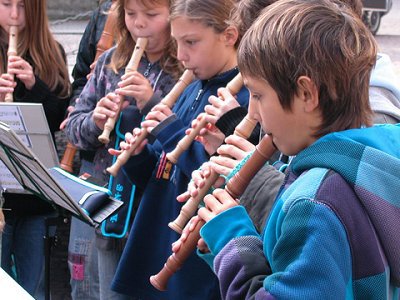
(125, 44)
(211, 13)
(37, 42)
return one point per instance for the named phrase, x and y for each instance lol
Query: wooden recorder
(235, 187)
(12, 50)
(133, 64)
(2, 221)
(169, 100)
(244, 130)
(234, 87)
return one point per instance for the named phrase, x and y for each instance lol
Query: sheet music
(12, 116)
(8, 181)
(29, 123)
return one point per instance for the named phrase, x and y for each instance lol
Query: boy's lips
(191, 69)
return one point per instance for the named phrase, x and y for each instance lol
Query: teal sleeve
(226, 226)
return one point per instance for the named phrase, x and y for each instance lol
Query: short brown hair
(321, 39)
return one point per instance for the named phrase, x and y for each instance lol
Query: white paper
(12, 116)
(8, 181)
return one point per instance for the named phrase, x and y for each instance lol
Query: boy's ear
(308, 92)
(231, 34)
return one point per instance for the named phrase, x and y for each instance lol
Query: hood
(369, 160)
(385, 87)
(383, 75)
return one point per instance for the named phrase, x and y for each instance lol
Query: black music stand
(54, 185)
(63, 190)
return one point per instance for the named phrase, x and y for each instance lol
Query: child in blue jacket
(206, 45)
(332, 233)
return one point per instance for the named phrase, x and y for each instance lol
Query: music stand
(52, 185)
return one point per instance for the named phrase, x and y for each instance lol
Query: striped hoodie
(333, 233)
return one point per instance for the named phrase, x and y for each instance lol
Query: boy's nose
(253, 111)
(182, 55)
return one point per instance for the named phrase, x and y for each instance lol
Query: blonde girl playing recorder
(157, 73)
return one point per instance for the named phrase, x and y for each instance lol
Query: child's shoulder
(107, 55)
(305, 186)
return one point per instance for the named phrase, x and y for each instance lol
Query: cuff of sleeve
(228, 121)
(171, 134)
(72, 101)
(92, 127)
(149, 105)
(207, 257)
(156, 130)
(230, 224)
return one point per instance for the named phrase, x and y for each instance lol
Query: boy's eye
(152, 15)
(255, 97)
(191, 42)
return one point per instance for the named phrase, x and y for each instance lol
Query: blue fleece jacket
(150, 239)
(333, 232)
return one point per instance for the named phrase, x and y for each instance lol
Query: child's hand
(22, 70)
(210, 136)
(135, 85)
(190, 226)
(215, 203)
(157, 114)
(107, 107)
(63, 124)
(197, 182)
(230, 154)
(7, 85)
(220, 105)
(129, 141)
(92, 66)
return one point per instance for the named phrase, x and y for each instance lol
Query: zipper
(196, 100)
(147, 71)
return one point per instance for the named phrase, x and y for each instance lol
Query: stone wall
(60, 9)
